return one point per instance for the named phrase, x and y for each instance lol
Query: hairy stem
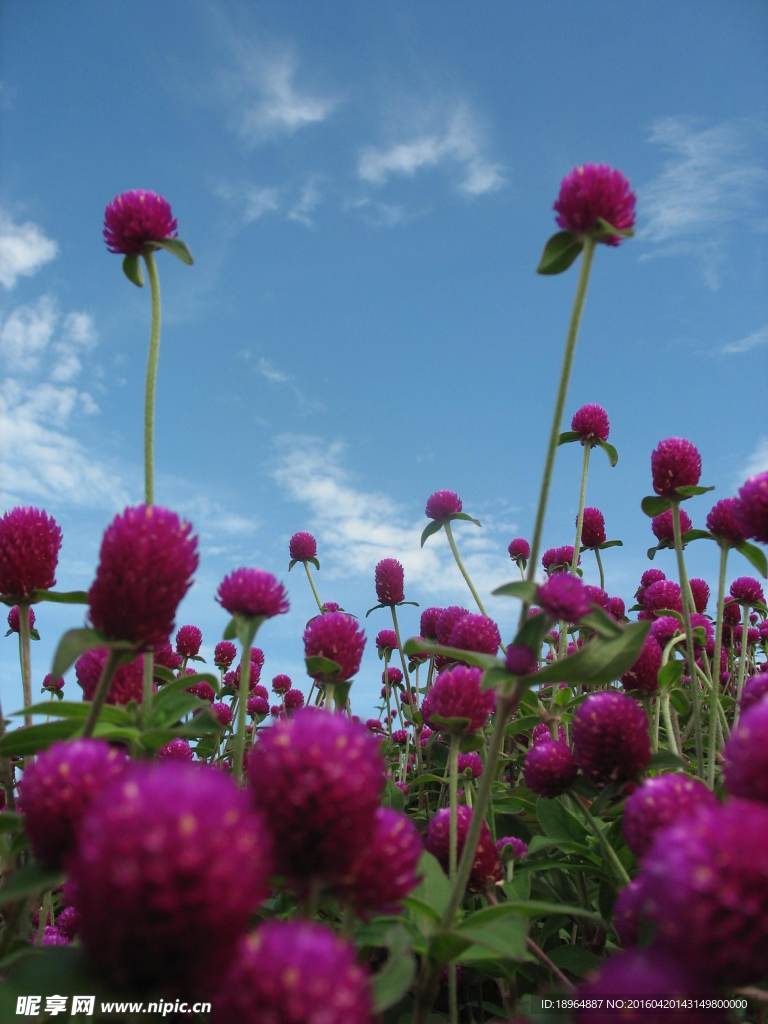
(151, 381)
(25, 657)
(685, 594)
(102, 689)
(714, 697)
(313, 587)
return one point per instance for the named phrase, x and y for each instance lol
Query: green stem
(25, 657)
(406, 675)
(314, 588)
(600, 569)
(151, 381)
(685, 594)
(462, 567)
(582, 502)
(242, 706)
(667, 713)
(714, 697)
(742, 662)
(148, 680)
(453, 791)
(102, 689)
(608, 850)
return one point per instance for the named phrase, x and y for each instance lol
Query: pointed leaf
(72, 644)
(60, 597)
(176, 247)
(417, 645)
(559, 253)
(524, 589)
(600, 661)
(601, 623)
(651, 552)
(375, 608)
(610, 451)
(612, 544)
(116, 714)
(670, 674)
(533, 632)
(654, 505)
(568, 437)
(315, 562)
(318, 666)
(432, 527)
(690, 490)
(665, 760)
(28, 880)
(293, 561)
(132, 269)
(464, 516)
(697, 535)
(29, 740)
(393, 980)
(497, 678)
(608, 230)
(754, 555)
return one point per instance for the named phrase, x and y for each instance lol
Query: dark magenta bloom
(30, 541)
(302, 546)
(636, 974)
(188, 641)
(558, 559)
(563, 597)
(616, 608)
(390, 578)
(746, 755)
(662, 525)
(747, 590)
(164, 655)
(486, 867)
(135, 219)
(459, 693)
(176, 749)
(549, 768)
(446, 620)
(257, 705)
(725, 521)
(201, 689)
(700, 593)
(591, 423)
(628, 912)
(675, 463)
(755, 688)
(392, 677)
(472, 763)
(592, 528)
(520, 660)
(337, 636)
(542, 733)
(386, 870)
(14, 619)
(664, 594)
(281, 684)
(222, 713)
(643, 676)
(428, 623)
(127, 683)
(518, 849)
(519, 549)
(442, 505)
(293, 700)
(146, 562)
(53, 936)
(386, 641)
(595, 192)
(254, 593)
(753, 507)
(53, 684)
(224, 654)
(400, 737)
(610, 737)
(294, 972)
(659, 802)
(475, 633)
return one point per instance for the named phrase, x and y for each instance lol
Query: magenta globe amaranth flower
(563, 597)
(57, 789)
(176, 749)
(445, 622)
(753, 507)
(519, 549)
(725, 521)
(146, 562)
(470, 764)
(628, 911)
(293, 700)
(222, 713)
(643, 676)
(14, 619)
(442, 505)
(610, 737)
(294, 972)
(318, 778)
(475, 633)
(594, 192)
(252, 593)
(658, 802)
(135, 219)
(337, 636)
(386, 641)
(52, 684)
(30, 541)
(755, 688)
(662, 595)
(392, 677)
(224, 654)
(390, 576)
(592, 528)
(512, 847)
(675, 463)
(616, 608)
(386, 870)
(542, 733)
(126, 684)
(486, 866)
(591, 423)
(257, 705)
(302, 546)
(699, 593)
(428, 623)
(746, 755)
(188, 641)
(663, 528)
(558, 559)
(520, 660)
(747, 590)
(642, 979)
(281, 684)
(549, 768)
(458, 694)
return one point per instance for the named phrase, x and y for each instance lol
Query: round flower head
(591, 423)
(662, 631)
(643, 676)
(649, 577)
(127, 683)
(57, 789)
(549, 768)
(258, 705)
(706, 886)
(188, 640)
(68, 922)
(747, 590)
(302, 546)
(224, 654)
(700, 593)
(753, 507)
(486, 867)
(294, 972)
(542, 733)
(392, 677)
(519, 549)
(53, 936)
(675, 463)
(616, 608)
(428, 623)
(400, 737)
(471, 763)
(663, 528)
(318, 777)
(475, 633)
(563, 597)
(516, 847)
(442, 505)
(664, 594)
(386, 870)
(610, 737)
(170, 865)
(746, 755)
(754, 690)
(135, 219)
(293, 700)
(281, 684)
(636, 974)
(558, 559)
(628, 911)
(592, 529)
(520, 660)
(30, 540)
(331, 606)
(595, 192)
(53, 684)
(202, 689)
(339, 637)
(725, 521)
(386, 641)
(176, 749)
(164, 655)
(458, 693)
(14, 619)
(146, 562)
(253, 593)
(222, 713)
(389, 581)
(446, 620)
(659, 802)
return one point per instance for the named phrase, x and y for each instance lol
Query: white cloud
(456, 140)
(255, 201)
(25, 334)
(24, 249)
(270, 372)
(307, 203)
(756, 462)
(751, 341)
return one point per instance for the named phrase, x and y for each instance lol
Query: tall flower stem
(462, 567)
(313, 587)
(102, 689)
(453, 790)
(582, 502)
(151, 381)
(242, 704)
(600, 568)
(685, 594)
(714, 697)
(742, 662)
(25, 658)
(608, 851)
(667, 713)
(406, 675)
(148, 680)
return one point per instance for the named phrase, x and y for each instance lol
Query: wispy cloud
(749, 342)
(379, 214)
(24, 249)
(756, 462)
(307, 202)
(277, 377)
(457, 139)
(256, 201)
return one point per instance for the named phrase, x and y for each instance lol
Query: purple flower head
(628, 912)
(636, 974)
(472, 763)
(475, 633)
(253, 593)
(753, 507)
(659, 802)
(202, 690)
(662, 630)
(52, 683)
(324, 776)
(224, 654)
(14, 619)
(442, 505)
(386, 870)
(339, 637)
(747, 590)
(146, 562)
(643, 676)
(675, 463)
(400, 737)
(446, 620)
(616, 608)
(257, 705)
(663, 594)
(30, 540)
(591, 423)
(68, 922)
(596, 595)
(302, 546)
(428, 623)
(389, 581)
(486, 867)
(746, 755)
(592, 528)
(542, 733)
(663, 529)
(725, 521)
(392, 677)
(516, 847)
(520, 660)
(595, 192)
(563, 597)
(459, 693)
(165, 656)
(700, 593)
(549, 768)
(519, 549)
(281, 684)
(610, 737)
(222, 713)
(755, 688)
(294, 972)
(649, 577)
(127, 683)
(135, 219)
(293, 700)
(188, 640)
(176, 749)
(386, 641)
(53, 936)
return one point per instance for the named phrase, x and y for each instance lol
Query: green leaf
(10, 822)
(754, 555)
(176, 247)
(500, 929)
(77, 709)
(30, 879)
(451, 725)
(434, 889)
(665, 760)
(375, 608)
(315, 562)
(293, 561)
(697, 535)
(433, 527)
(533, 632)
(60, 596)
(524, 589)
(690, 490)
(230, 631)
(558, 823)
(568, 437)
(318, 666)
(559, 253)
(541, 908)
(612, 544)
(393, 796)
(72, 644)
(610, 451)
(417, 645)
(29, 740)
(466, 517)
(394, 979)
(601, 623)
(670, 674)
(654, 505)
(606, 230)
(132, 269)
(600, 661)
(575, 959)
(497, 678)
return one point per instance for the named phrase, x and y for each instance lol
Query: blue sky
(366, 190)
